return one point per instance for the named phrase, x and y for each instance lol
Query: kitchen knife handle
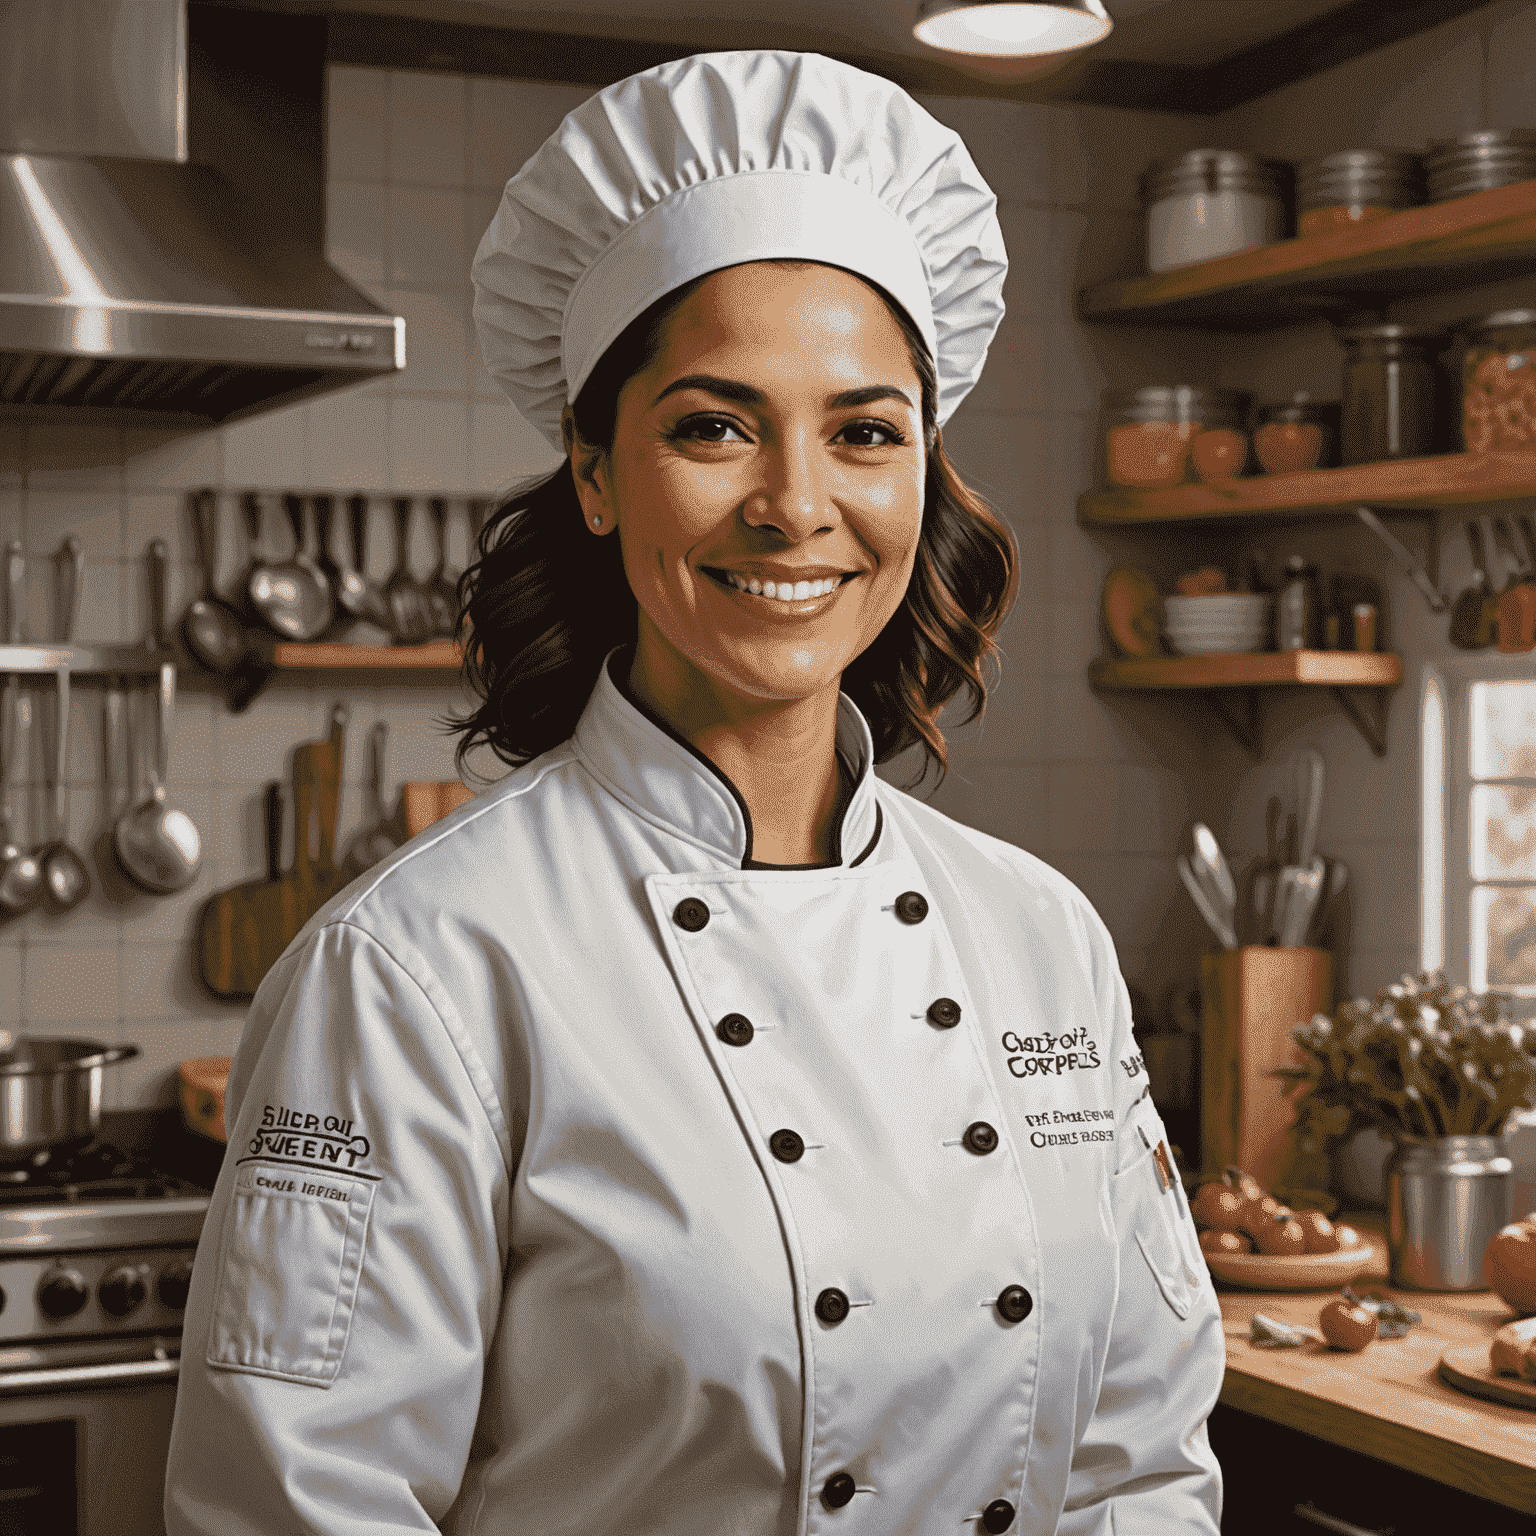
(71, 579)
(159, 569)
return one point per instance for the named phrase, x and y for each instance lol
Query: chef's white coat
(551, 1138)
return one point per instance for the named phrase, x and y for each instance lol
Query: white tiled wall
(1102, 788)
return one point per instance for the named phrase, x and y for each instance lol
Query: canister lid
(1481, 141)
(1177, 402)
(1300, 407)
(1354, 332)
(1501, 320)
(1209, 170)
(1391, 162)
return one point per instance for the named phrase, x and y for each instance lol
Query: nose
(794, 496)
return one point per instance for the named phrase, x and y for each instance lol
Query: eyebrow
(746, 394)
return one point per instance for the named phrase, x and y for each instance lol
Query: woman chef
(693, 1136)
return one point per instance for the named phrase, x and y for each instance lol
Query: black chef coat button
(910, 907)
(786, 1146)
(981, 1138)
(832, 1305)
(837, 1490)
(690, 914)
(1015, 1303)
(735, 1029)
(997, 1516)
(944, 1011)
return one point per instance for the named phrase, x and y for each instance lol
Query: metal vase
(1446, 1198)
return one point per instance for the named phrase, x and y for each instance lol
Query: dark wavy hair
(545, 602)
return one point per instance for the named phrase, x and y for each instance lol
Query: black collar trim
(618, 670)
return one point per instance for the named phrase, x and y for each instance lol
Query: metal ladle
(66, 880)
(210, 626)
(291, 595)
(157, 845)
(21, 878)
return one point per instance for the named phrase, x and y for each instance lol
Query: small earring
(597, 521)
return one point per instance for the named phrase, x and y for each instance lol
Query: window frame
(1446, 784)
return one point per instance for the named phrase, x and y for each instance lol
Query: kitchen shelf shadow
(1232, 684)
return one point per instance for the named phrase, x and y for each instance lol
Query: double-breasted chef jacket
(585, 1177)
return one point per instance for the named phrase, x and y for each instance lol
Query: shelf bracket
(1374, 730)
(1239, 712)
(1421, 578)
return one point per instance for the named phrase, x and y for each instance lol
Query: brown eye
(871, 434)
(707, 429)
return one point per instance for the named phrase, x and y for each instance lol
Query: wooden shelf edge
(1445, 480)
(1440, 234)
(434, 655)
(1261, 669)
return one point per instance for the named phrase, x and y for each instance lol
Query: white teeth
(784, 591)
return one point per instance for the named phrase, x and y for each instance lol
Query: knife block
(1250, 1001)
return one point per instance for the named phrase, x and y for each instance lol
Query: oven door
(84, 1432)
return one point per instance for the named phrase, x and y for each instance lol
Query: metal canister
(1480, 161)
(1388, 405)
(1446, 1198)
(1210, 202)
(1354, 185)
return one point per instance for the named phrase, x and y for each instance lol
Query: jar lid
(1501, 320)
(1360, 195)
(1381, 330)
(1209, 170)
(1392, 162)
(1300, 407)
(1481, 139)
(1178, 402)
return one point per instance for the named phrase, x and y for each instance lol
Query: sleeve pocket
(289, 1266)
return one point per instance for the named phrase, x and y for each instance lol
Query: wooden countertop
(1387, 1401)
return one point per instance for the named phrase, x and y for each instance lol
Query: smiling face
(766, 482)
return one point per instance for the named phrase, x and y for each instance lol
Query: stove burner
(85, 1169)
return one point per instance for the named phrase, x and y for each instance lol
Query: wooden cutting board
(1465, 1367)
(243, 931)
(424, 801)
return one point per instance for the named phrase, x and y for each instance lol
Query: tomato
(1509, 1263)
(1346, 1325)
(1216, 1241)
(1217, 1206)
(1318, 1231)
(1283, 1238)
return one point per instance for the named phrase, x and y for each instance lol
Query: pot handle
(116, 1053)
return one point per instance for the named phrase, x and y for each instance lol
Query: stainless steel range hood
(135, 279)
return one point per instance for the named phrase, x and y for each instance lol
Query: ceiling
(1185, 55)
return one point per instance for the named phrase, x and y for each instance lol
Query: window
(1478, 739)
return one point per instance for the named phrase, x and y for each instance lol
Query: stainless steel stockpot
(50, 1090)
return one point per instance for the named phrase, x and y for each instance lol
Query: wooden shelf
(1231, 682)
(1448, 480)
(1260, 669)
(1483, 238)
(434, 655)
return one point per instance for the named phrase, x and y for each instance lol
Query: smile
(798, 593)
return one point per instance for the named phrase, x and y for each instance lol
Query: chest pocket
(1150, 1204)
(290, 1260)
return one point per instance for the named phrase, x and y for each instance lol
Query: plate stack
(1222, 622)
(1359, 179)
(1479, 162)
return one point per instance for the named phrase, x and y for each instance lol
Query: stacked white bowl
(1224, 621)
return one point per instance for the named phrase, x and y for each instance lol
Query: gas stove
(94, 1243)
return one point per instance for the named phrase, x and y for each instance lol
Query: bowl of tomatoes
(1251, 1239)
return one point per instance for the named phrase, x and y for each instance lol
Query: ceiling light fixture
(1008, 29)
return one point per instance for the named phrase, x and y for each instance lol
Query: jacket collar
(648, 766)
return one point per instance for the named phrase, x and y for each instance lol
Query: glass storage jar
(1293, 435)
(1148, 431)
(1209, 202)
(1388, 406)
(1353, 186)
(1498, 377)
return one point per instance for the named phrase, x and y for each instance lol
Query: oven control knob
(121, 1291)
(61, 1293)
(174, 1283)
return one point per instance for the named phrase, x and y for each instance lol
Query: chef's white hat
(725, 158)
